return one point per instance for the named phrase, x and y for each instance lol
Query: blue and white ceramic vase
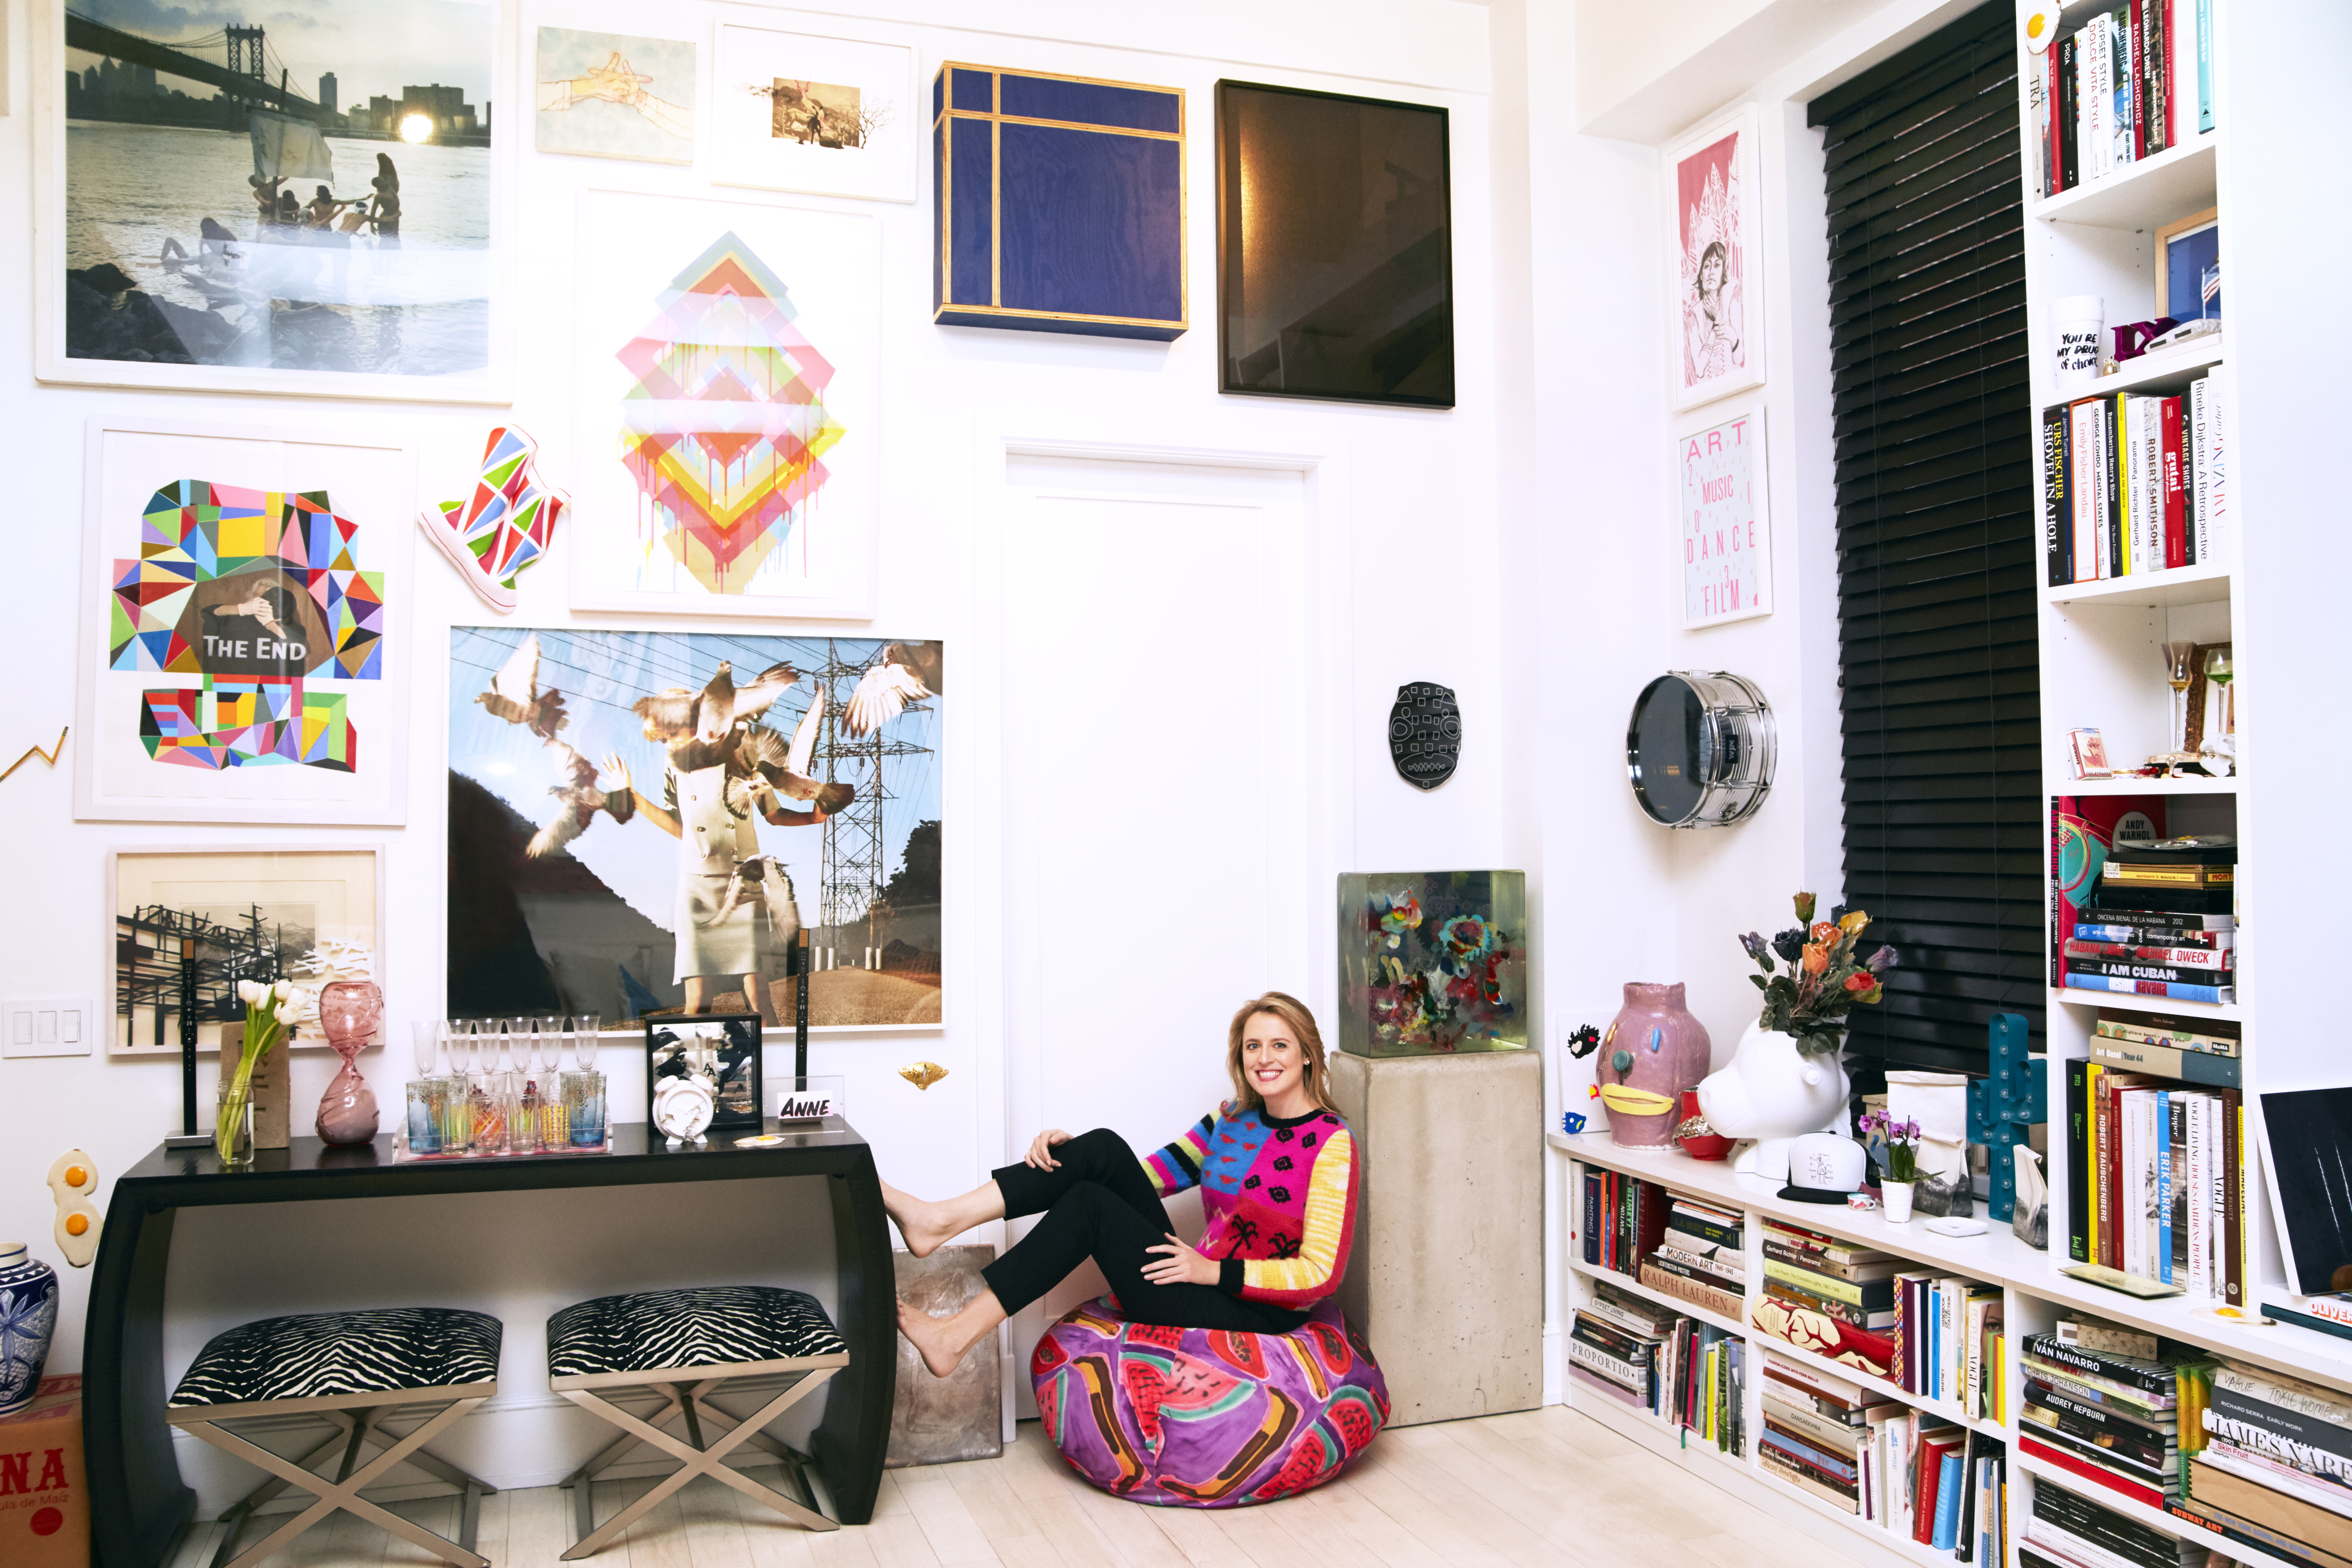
(29, 1318)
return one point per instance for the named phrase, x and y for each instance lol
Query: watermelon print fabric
(1206, 1417)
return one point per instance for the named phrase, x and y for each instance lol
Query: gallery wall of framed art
(638, 333)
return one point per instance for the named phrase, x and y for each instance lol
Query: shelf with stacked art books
(2137, 483)
(1728, 1322)
(2174, 1536)
(1654, 1358)
(2127, 96)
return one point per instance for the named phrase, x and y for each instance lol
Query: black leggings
(1100, 1205)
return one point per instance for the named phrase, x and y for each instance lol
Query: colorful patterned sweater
(1280, 1197)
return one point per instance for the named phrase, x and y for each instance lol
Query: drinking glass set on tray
(493, 1087)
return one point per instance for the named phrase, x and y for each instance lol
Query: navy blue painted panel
(940, 93)
(1081, 326)
(971, 196)
(938, 212)
(1090, 103)
(1093, 224)
(972, 91)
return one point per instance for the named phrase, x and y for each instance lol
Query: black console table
(137, 1502)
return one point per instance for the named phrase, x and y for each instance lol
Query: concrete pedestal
(1446, 1278)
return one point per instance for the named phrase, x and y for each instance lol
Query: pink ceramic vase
(349, 1012)
(1653, 1049)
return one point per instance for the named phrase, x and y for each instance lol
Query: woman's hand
(1039, 1147)
(1183, 1266)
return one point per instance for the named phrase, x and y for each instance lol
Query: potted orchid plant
(1901, 1141)
(269, 1012)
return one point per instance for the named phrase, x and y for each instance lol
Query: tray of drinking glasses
(502, 1115)
(403, 1154)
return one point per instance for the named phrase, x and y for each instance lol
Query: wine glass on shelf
(585, 1027)
(423, 1041)
(2221, 714)
(2179, 670)
(549, 1058)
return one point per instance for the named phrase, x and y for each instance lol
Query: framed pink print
(1727, 526)
(1715, 285)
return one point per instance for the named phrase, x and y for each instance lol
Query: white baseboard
(1555, 1366)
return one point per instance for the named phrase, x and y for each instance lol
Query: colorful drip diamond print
(260, 592)
(726, 424)
(505, 525)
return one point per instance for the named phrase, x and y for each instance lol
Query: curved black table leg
(853, 1439)
(138, 1504)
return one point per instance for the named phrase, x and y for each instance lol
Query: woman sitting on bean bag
(1276, 1170)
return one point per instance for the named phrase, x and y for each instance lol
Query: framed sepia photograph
(1715, 285)
(608, 856)
(805, 112)
(190, 924)
(301, 208)
(243, 652)
(613, 95)
(1335, 247)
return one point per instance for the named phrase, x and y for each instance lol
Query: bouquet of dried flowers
(1825, 977)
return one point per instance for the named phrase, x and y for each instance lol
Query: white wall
(1411, 587)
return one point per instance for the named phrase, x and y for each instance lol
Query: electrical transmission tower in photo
(856, 853)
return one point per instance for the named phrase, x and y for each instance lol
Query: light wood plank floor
(1546, 1487)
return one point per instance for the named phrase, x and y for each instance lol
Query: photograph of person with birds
(642, 823)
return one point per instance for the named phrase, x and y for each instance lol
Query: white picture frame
(1724, 501)
(368, 269)
(1713, 198)
(749, 65)
(602, 94)
(359, 776)
(632, 548)
(344, 881)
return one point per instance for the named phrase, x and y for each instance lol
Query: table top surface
(310, 1168)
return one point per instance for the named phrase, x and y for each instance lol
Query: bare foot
(918, 1222)
(934, 1337)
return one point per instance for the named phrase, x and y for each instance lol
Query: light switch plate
(49, 1027)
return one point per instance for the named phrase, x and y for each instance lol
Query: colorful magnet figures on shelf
(503, 528)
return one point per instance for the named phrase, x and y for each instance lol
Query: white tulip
(283, 991)
(249, 994)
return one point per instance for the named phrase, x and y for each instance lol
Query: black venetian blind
(1937, 536)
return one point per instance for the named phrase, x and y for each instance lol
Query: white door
(1163, 847)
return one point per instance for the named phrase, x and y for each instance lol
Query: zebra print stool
(682, 1345)
(351, 1369)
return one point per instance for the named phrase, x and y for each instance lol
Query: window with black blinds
(1936, 538)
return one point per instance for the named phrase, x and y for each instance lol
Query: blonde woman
(1276, 1170)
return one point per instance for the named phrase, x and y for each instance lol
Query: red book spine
(2176, 514)
(2092, 1473)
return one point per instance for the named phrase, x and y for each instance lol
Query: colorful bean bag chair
(1203, 1417)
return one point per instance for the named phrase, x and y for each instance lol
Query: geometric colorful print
(1199, 1418)
(725, 426)
(257, 592)
(505, 525)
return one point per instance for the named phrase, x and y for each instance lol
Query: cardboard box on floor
(44, 1507)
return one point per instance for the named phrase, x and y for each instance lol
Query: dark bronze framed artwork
(1335, 247)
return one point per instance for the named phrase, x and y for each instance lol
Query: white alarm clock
(683, 1108)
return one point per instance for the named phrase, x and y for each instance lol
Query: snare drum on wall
(1699, 749)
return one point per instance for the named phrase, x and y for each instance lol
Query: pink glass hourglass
(350, 1011)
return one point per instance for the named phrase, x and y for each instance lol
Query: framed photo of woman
(1714, 287)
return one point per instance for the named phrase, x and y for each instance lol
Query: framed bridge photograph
(307, 211)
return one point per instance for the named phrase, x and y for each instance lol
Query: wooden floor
(1544, 1486)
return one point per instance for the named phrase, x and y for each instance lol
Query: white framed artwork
(1725, 530)
(244, 613)
(726, 410)
(293, 246)
(809, 112)
(613, 95)
(229, 912)
(1714, 287)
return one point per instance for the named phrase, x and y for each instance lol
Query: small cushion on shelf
(317, 1355)
(698, 1326)
(1206, 1417)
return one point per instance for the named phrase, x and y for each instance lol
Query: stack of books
(1625, 1219)
(1948, 1337)
(2165, 892)
(1640, 1353)
(1818, 1432)
(2202, 1051)
(2131, 485)
(2065, 1530)
(2275, 1471)
(1710, 1385)
(2157, 1181)
(1701, 1258)
(2110, 1416)
(2126, 85)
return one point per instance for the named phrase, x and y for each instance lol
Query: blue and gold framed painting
(1057, 204)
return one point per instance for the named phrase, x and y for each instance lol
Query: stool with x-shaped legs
(352, 1370)
(683, 1345)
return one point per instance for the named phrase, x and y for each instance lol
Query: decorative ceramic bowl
(1698, 1139)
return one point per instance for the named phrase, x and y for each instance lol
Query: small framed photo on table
(721, 1050)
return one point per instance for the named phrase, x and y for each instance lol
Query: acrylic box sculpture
(1433, 962)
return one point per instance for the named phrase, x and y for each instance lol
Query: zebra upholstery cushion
(320, 1355)
(698, 1326)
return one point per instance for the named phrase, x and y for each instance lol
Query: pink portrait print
(1712, 267)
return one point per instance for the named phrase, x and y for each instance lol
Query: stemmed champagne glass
(2221, 718)
(2179, 670)
(585, 1029)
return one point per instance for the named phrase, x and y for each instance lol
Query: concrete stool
(692, 1341)
(351, 1369)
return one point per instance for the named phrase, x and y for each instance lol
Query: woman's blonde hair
(1301, 1023)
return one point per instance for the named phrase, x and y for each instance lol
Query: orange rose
(1817, 958)
(1861, 980)
(1824, 932)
